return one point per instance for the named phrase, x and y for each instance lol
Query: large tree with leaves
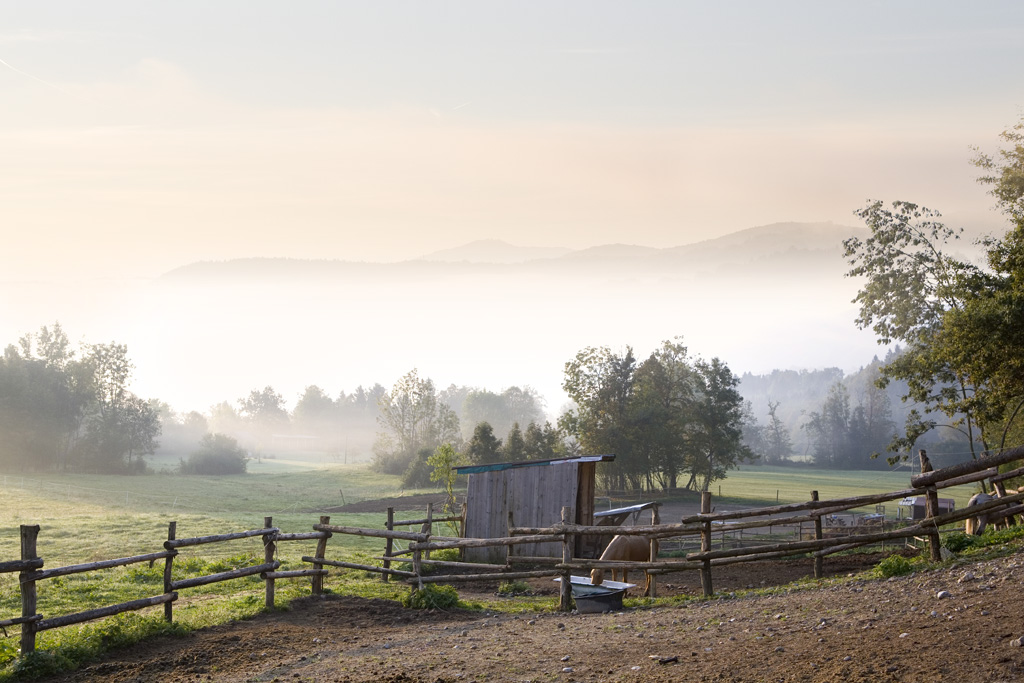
(961, 325)
(600, 382)
(716, 426)
(665, 418)
(412, 418)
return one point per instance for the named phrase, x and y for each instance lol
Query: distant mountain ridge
(789, 245)
(494, 251)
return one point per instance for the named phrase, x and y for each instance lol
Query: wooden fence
(421, 543)
(31, 572)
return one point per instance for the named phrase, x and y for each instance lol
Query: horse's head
(596, 577)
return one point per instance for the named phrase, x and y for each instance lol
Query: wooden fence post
(321, 551)
(29, 534)
(428, 526)
(819, 561)
(705, 544)
(565, 592)
(389, 545)
(269, 548)
(168, 565)
(932, 510)
(1006, 522)
(653, 586)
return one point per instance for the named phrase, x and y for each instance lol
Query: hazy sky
(138, 137)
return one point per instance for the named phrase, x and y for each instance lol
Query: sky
(138, 137)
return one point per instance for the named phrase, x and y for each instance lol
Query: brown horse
(625, 549)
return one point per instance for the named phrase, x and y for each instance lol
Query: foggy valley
(773, 297)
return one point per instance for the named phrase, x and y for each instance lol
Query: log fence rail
(703, 526)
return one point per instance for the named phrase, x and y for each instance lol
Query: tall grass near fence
(766, 485)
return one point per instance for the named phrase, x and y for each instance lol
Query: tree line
(70, 411)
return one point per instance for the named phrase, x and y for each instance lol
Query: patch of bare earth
(954, 624)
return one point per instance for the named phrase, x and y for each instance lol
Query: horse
(625, 549)
(974, 526)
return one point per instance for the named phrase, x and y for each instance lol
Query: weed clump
(894, 565)
(513, 588)
(432, 597)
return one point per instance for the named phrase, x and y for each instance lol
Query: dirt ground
(957, 624)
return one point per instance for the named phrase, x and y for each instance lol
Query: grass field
(85, 518)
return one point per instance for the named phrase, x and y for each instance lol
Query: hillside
(772, 297)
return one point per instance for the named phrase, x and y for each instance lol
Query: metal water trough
(591, 599)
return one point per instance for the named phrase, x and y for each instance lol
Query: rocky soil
(962, 623)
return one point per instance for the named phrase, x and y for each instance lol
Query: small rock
(780, 649)
(904, 635)
(1017, 642)
(942, 595)
(847, 658)
(565, 658)
(968, 576)
(984, 612)
(531, 622)
(561, 627)
(567, 670)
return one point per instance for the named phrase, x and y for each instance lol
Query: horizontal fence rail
(31, 572)
(817, 540)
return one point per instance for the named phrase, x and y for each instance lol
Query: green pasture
(763, 485)
(85, 518)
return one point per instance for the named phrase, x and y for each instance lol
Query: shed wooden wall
(535, 496)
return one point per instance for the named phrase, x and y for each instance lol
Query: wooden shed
(534, 492)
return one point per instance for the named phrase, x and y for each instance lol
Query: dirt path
(956, 624)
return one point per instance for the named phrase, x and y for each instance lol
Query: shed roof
(639, 507)
(498, 466)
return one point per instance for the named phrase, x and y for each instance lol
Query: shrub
(957, 542)
(217, 454)
(513, 587)
(895, 565)
(432, 597)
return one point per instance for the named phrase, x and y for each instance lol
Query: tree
(830, 429)
(45, 394)
(777, 443)
(121, 428)
(716, 430)
(265, 409)
(484, 448)
(411, 418)
(224, 419)
(140, 422)
(442, 470)
(502, 410)
(1005, 172)
(515, 445)
(662, 405)
(542, 443)
(600, 382)
(962, 324)
(910, 285)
